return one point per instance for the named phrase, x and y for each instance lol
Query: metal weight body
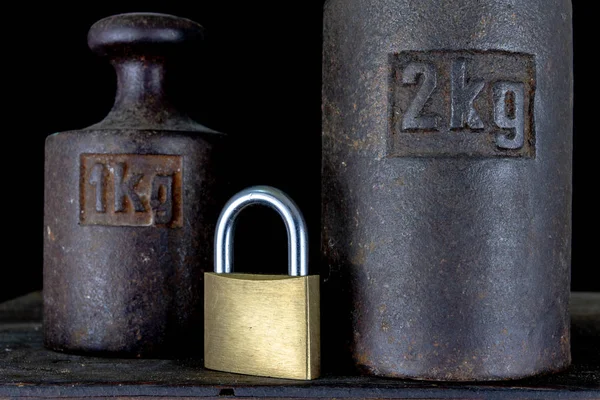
(446, 192)
(264, 325)
(130, 206)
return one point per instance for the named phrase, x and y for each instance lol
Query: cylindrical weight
(130, 206)
(447, 147)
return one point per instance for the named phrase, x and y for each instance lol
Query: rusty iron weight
(130, 206)
(446, 191)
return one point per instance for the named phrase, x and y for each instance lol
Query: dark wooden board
(27, 370)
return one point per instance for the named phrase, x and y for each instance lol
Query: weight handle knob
(141, 47)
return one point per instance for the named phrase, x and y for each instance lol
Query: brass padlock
(264, 325)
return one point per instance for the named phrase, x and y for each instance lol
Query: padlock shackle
(287, 209)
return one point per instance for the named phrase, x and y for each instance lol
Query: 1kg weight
(130, 206)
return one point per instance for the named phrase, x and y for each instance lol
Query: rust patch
(131, 190)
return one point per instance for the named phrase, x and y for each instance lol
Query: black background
(257, 77)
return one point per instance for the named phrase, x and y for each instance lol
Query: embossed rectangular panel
(462, 103)
(131, 190)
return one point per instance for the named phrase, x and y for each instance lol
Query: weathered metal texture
(447, 187)
(130, 207)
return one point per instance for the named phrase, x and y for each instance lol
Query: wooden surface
(27, 370)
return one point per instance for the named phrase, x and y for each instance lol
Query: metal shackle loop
(287, 209)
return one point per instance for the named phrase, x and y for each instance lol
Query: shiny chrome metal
(285, 206)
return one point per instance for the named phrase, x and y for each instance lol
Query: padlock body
(129, 219)
(264, 325)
